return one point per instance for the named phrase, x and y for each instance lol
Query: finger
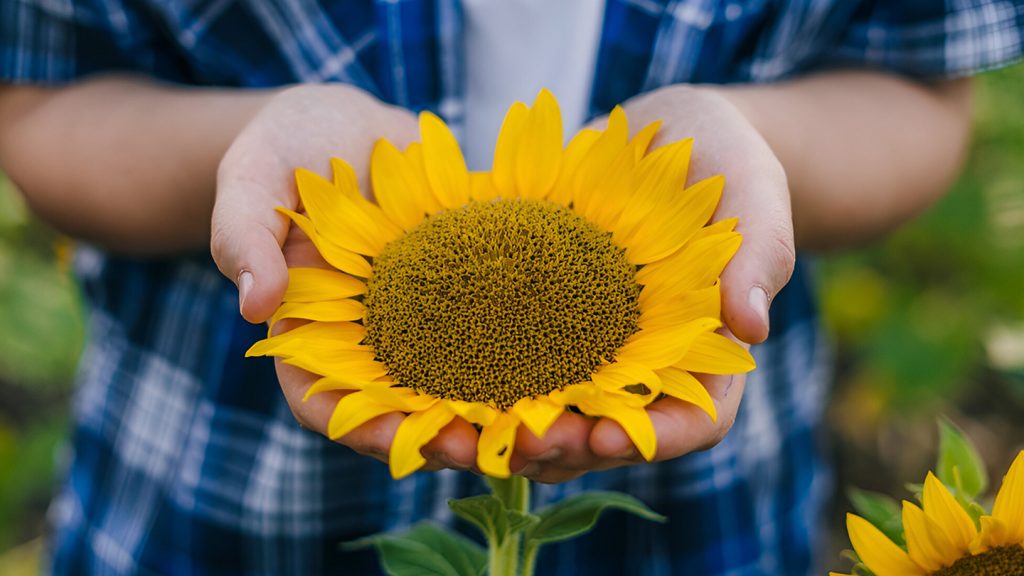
(565, 442)
(246, 239)
(552, 474)
(765, 260)
(680, 427)
(371, 439)
(454, 447)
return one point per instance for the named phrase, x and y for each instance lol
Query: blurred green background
(929, 322)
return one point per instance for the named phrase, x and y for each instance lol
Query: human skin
(822, 162)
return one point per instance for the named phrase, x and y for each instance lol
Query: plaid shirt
(186, 459)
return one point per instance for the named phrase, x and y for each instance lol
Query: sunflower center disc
(1002, 561)
(498, 301)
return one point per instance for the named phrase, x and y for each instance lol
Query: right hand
(253, 245)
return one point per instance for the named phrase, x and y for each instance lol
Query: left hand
(757, 193)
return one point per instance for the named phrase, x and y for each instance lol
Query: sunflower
(582, 276)
(943, 540)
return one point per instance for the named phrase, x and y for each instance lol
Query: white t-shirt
(516, 47)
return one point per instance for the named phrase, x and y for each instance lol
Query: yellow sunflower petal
(720, 227)
(620, 374)
(993, 534)
(697, 265)
(598, 158)
(353, 411)
(506, 150)
(413, 434)
(399, 397)
(538, 414)
(356, 225)
(315, 284)
(684, 307)
(879, 553)
(660, 182)
(395, 189)
(473, 412)
(575, 152)
(669, 225)
(339, 334)
(609, 196)
(942, 507)
(927, 543)
(344, 178)
(644, 137)
(712, 353)
(539, 156)
(481, 186)
(417, 173)
(495, 446)
(324, 311)
(445, 165)
(341, 258)
(684, 386)
(1009, 506)
(664, 346)
(633, 419)
(346, 364)
(328, 384)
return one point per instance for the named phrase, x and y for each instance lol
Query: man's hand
(302, 127)
(756, 192)
(253, 245)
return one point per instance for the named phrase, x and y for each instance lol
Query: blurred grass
(930, 321)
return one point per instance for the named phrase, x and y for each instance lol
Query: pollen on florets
(501, 300)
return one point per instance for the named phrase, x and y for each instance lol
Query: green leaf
(467, 557)
(519, 521)
(578, 514)
(884, 512)
(400, 556)
(486, 513)
(959, 464)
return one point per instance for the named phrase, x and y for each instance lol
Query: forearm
(126, 163)
(863, 152)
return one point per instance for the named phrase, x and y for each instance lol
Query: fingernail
(630, 454)
(758, 299)
(244, 287)
(548, 456)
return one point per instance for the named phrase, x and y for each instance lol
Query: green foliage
(426, 550)
(42, 330)
(881, 510)
(578, 514)
(918, 316)
(960, 465)
(27, 462)
(41, 334)
(486, 512)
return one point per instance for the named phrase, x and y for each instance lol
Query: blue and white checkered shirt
(186, 457)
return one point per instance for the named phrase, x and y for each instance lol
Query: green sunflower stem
(514, 492)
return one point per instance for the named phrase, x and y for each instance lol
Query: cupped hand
(254, 245)
(756, 192)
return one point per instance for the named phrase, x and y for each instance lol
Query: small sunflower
(582, 276)
(943, 540)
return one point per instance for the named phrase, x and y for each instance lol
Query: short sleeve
(933, 39)
(54, 41)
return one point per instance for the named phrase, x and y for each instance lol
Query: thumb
(246, 239)
(762, 266)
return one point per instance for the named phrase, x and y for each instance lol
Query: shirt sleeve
(933, 38)
(55, 41)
